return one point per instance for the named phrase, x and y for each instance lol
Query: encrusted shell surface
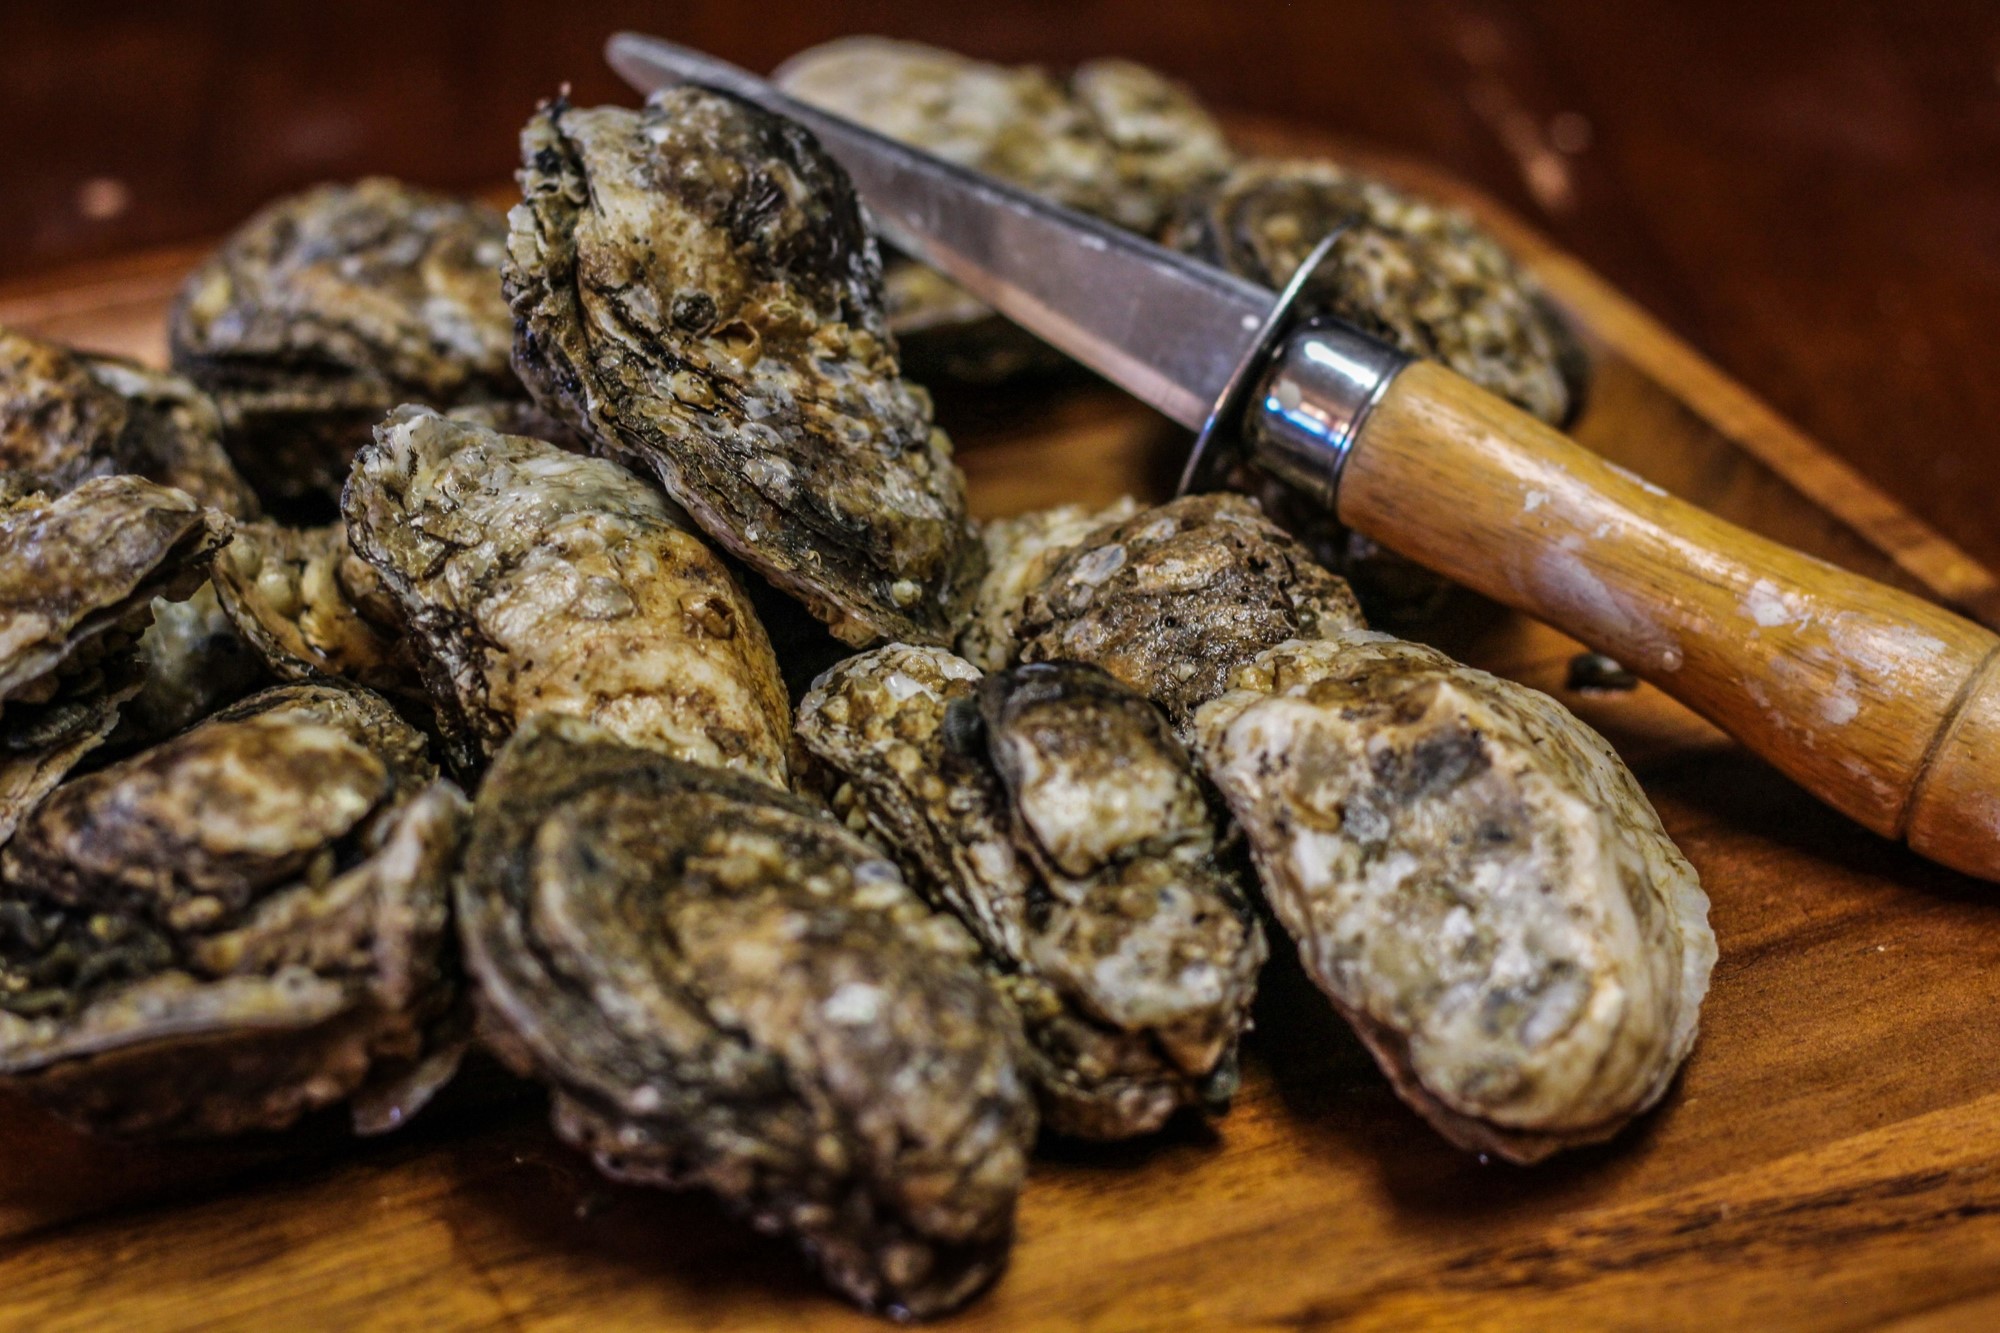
(535, 580)
(1173, 599)
(724, 988)
(1069, 834)
(696, 292)
(235, 927)
(1112, 138)
(1475, 880)
(330, 307)
(1020, 552)
(67, 416)
(1420, 276)
(310, 607)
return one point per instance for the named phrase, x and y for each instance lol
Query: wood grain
(1825, 1160)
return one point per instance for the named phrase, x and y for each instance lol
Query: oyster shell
(310, 607)
(534, 580)
(696, 292)
(240, 925)
(1423, 277)
(191, 662)
(67, 416)
(1053, 813)
(1475, 880)
(1020, 552)
(1175, 598)
(725, 988)
(332, 306)
(1112, 138)
(78, 575)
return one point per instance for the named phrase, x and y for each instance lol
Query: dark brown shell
(725, 988)
(1172, 600)
(240, 925)
(332, 306)
(1133, 964)
(66, 417)
(532, 580)
(696, 292)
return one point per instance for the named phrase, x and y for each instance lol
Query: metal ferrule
(1305, 415)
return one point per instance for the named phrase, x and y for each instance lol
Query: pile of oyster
(438, 502)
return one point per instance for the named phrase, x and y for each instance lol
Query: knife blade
(1885, 706)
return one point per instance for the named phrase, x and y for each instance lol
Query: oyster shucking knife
(1884, 705)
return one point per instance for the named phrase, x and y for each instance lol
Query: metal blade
(1168, 329)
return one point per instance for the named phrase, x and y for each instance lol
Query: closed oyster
(534, 580)
(1173, 599)
(1475, 880)
(695, 290)
(238, 926)
(1420, 276)
(1054, 814)
(66, 417)
(725, 988)
(1020, 552)
(78, 575)
(1113, 139)
(310, 607)
(332, 306)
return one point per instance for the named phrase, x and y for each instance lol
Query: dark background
(1809, 192)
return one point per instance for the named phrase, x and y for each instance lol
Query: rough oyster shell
(240, 925)
(67, 416)
(1113, 138)
(1173, 599)
(534, 580)
(310, 607)
(1422, 277)
(332, 306)
(1068, 832)
(696, 292)
(1020, 552)
(1475, 880)
(725, 988)
(78, 575)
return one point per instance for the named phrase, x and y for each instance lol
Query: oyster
(1113, 138)
(78, 575)
(240, 925)
(1020, 552)
(332, 306)
(534, 580)
(1053, 812)
(310, 607)
(725, 988)
(1425, 278)
(1475, 880)
(1175, 598)
(66, 417)
(696, 292)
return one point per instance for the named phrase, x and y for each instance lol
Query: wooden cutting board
(1830, 1157)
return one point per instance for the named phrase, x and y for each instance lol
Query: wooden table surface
(1831, 1157)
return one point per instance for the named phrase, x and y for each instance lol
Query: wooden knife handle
(1884, 705)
